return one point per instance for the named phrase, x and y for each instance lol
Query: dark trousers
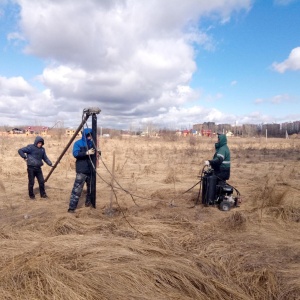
(223, 174)
(80, 180)
(32, 173)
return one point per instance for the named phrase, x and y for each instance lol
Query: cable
(95, 147)
(146, 198)
(112, 187)
(120, 187)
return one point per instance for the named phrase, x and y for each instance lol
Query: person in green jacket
(221, 160)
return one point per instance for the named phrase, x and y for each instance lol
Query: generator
(217, 192)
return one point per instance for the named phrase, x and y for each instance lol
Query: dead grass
(159, 246)
(286, 213)
(235, 221)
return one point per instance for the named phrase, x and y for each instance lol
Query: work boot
(70, 210)
(32, 197)
(88, 204)
(44, 196)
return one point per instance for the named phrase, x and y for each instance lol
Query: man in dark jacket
(82, 150)
(34, 154)
(221, 160)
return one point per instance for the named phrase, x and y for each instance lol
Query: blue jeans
(77, 190)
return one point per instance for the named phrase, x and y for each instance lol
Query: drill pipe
(67, 146)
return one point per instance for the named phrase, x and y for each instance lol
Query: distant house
(185, 132)
(17, 131)
(206, 132)
(42, 130)
(71, 132)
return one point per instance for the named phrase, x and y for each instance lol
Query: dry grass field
(149, 240)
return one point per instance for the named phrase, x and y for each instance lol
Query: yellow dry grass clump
(148, 240)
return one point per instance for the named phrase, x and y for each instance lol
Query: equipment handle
(67, 146)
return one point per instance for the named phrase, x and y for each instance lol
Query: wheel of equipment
(225, 206)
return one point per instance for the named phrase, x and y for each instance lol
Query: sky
(164, 63)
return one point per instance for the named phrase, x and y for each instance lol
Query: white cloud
(187, 117)
(213, 98)
(277, 99)
(21, 103)
(15, 36)
(291, 63)
(255, 118)
(134, 59)
(259, 100)
(14, 86)
(281, 99)
(284, 2)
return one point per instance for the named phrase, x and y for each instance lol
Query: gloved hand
(206, 163)
(90, 151)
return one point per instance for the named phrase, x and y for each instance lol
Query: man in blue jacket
(34, 155)
(82, 151)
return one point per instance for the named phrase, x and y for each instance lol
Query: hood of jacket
(85, 132)
(222, 141)
(37, 140)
